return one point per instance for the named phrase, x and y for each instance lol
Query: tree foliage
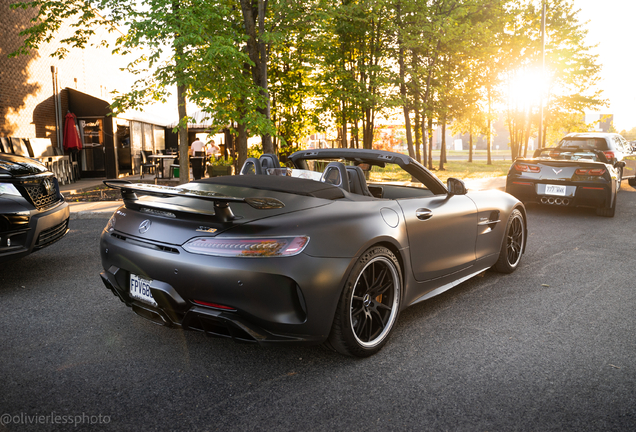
(283, 69)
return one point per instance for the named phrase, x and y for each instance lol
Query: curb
(93, 210)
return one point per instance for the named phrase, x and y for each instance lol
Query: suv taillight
(610, 155)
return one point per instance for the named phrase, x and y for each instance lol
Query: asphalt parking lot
(550, 347)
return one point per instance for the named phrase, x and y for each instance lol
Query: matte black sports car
(312, 254)
(33, 213)
(567, 176)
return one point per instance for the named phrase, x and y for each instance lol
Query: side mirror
(619, 164)
(456, 187)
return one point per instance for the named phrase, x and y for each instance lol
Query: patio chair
(146, 165)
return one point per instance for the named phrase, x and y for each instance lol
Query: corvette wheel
(513, 243)
(607, 211)
(369, 305)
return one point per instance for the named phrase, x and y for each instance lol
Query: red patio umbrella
(72, 139)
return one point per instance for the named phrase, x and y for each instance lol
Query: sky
(611, 27)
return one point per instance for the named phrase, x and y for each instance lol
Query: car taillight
(525, 168)
(592, 172)
(609, 155)
(241, 247)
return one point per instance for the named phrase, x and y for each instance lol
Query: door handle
(423, 214)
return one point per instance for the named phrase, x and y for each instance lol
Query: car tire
(607, 211)
(632, 181)
(369, 304)
(513, 244)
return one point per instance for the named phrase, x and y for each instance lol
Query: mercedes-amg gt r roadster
(328, 250)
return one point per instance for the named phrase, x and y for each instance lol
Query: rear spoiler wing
(221, 202)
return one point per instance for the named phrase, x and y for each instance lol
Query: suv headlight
(9, 189)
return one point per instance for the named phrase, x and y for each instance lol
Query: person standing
(212, 149)
(196, 146)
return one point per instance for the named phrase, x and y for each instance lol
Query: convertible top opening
(293, 185)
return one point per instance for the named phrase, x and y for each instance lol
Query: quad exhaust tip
(555, 201)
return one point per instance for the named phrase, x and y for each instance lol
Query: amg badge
(206, 229)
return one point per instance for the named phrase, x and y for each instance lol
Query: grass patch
(459, 169)
(472, 170)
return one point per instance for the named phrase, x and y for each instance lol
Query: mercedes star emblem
(144, 226)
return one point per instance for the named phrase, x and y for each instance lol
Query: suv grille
(41, 196)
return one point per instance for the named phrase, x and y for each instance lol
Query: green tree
(178, 43)
(571, 73)
(352, 65)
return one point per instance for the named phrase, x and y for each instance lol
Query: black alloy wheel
(369, 305)
(513, 243)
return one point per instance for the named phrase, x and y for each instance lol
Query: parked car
(568, 175)
(33, 213)
(310, 254)
(614, 147)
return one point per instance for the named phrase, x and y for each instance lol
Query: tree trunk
(241, 144)
(442, 152)
(430, 143)
(184, 154)
(343, 144)
(405, 104)
(470, 142)
(424, 141)
(489, 156)
(257, 51)
(418, 134)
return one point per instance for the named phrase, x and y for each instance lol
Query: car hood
(17, 166)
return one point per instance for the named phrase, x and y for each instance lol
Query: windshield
(388, 173)
(583, 143)
(573, 154)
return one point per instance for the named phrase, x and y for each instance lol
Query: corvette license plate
(140, 289)
(554, 190)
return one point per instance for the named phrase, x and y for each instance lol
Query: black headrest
(268, 160)
(336, 174)
(251, 166)
(357, 181)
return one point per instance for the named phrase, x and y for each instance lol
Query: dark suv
(613, 145)
(33, 213)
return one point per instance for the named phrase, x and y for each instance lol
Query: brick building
(37, 91)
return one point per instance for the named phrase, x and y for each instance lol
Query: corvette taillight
(525, 168)
(591, 172)
(242, 247)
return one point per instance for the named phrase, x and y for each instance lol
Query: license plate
(140, 289)
(554, 190)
